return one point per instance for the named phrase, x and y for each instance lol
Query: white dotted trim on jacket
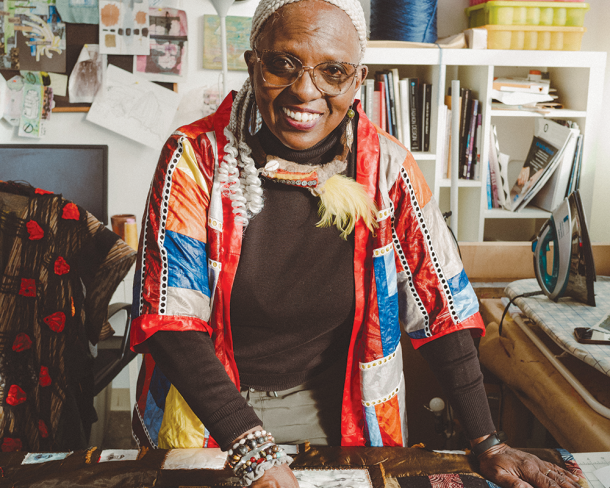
(377, 362)
(387, 398)
(433, 256)
(405, 265)
(384, 214)
(382, 251)
(163, 285)
(214, 264)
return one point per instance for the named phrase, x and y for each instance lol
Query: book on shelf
(378, 107)
(444, 125)
(477, 147)
(413, 113)
(546, 152)
(494, 171)
(369, 89)
(426, 95)
(464, 114)
(397, 104)
(403, 88)
(574, 181)
(521, 85)
(392, 103)
(467, 165)
(554, 191)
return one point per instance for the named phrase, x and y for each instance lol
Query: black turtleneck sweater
(292, 310)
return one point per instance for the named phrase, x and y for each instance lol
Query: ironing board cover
(560, 319)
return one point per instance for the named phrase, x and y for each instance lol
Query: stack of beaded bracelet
(254, 454)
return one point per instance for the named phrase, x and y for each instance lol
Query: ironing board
(559, 319)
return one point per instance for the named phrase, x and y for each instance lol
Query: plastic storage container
(534, 37)
(477, 2)
(559, 14)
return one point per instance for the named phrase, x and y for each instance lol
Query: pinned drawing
(13, 45)
(13, 100)
(123, 27)
(37, 104)
(79, 11)
(134, 107)
(238, 41)
(42, 42)
(168, 53)
(87, 76)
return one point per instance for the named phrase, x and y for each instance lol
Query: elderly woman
(286, 241)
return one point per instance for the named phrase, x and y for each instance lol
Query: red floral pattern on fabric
(44, 379)
(446, 481)
(35, 231)
(70, 212)
(42, 428)
(61, 267)
(28, 287)
(40, 191)
(15, 396)
(22, 342)
(9, 444)
(56, 321)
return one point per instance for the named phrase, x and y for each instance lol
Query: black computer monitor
(78, 172)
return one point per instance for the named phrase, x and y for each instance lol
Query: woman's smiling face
(314, 31)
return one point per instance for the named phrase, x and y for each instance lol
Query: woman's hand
(277, 477)
(511, 468)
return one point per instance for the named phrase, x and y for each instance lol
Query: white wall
(131, 165)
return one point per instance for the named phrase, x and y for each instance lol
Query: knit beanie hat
(352, 8)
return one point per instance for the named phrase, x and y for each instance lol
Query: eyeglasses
(282, 69)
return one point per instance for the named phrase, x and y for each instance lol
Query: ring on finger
(547, 473)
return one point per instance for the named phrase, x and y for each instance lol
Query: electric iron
(563, 259)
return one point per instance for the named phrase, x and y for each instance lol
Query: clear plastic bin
(478, 2)
(533, 37)
(568, 14)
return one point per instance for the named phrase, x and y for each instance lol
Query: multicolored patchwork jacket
(408, 277)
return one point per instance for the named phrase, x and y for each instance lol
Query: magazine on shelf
(545, 154)
(552, 194)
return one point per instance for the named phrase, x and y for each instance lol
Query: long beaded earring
(256, 120)
(349, 129)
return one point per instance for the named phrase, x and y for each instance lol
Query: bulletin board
(77, 35)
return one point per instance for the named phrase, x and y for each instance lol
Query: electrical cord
(523, 295)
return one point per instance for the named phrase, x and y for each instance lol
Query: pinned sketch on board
(32, 36)
(79, 11)
(135, 108)
(13, 100)
(37, 102)
(41, 41)
(88, 74)
(168, 47)
(123, 27)
(238, 41)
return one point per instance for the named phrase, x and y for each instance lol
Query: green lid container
(559, 14)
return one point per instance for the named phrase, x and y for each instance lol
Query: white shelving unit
(578, 77)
